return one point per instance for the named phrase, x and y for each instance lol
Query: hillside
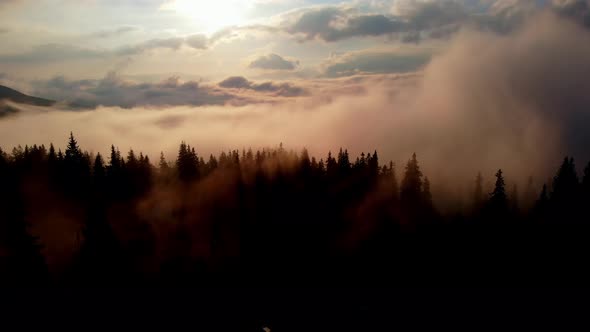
(7, 93)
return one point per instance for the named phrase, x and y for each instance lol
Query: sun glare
(212, 15)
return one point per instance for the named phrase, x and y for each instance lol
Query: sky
(259, 39)
(153, 39)
(475, 84)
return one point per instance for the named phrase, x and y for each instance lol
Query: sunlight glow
(212, 15)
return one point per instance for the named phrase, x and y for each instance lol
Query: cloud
(273, 62)
(374, 61)
(115, 91)
(410, 20)
(113, 32)
(521, 90)
(9, 2)
(416, 20)
(435, 14)
(284, 89)
(198, 41)
(152, 44)
(8, 109)
(336, 23)
(53, 53)
(576, 9)
(235, 82)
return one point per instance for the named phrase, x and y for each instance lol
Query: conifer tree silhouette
(565, 194)
(187, 163)
(498, 201)
(21, 260)
(565, 183)
(586, 184)
(76, 169)
(411, 187)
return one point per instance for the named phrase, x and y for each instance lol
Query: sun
(211, 15)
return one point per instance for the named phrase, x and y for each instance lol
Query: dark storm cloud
(283, 89)
(273, 62)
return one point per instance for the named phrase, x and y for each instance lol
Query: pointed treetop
(73, 152)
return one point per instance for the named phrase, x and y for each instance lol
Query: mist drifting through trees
(277, 216)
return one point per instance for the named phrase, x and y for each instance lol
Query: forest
(277, 217)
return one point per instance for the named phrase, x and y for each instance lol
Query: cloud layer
(59, 52)
(273, 62)
(374, 62)
(415, 20)
(278, 89)
(115, 91)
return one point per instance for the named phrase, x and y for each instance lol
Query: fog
(517, 102)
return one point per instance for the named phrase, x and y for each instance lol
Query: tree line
(275, 216)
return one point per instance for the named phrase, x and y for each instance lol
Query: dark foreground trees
(276, 216)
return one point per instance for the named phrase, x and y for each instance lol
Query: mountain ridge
(15, 96)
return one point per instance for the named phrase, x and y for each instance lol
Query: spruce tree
(76, 170)
(331, 165)
(565, 189)
(163, 164)
(73, 152)
(343, 162)
(411, 187)
(98, 170)
(187, 163)
(586, 184)
(498, 201)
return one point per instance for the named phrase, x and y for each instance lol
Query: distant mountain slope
(7, 93)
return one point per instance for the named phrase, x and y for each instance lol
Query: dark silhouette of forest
(276, 217)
